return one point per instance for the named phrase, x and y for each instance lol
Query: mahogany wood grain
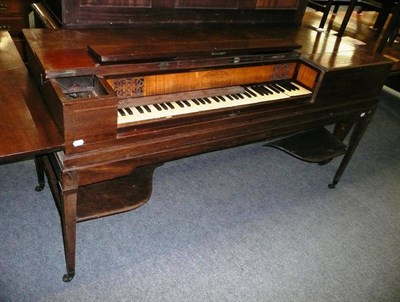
(26, 127)
(109, 155)
(63, 57)
(104, 198)
(11, 7)
(196, 80)
(307, 76)
(100, 158)
(227, 4)
(360, 28)
(169, 49)
(79, 122)
(108, 13)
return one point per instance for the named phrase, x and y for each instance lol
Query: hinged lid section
(157, 49)
(112, 53)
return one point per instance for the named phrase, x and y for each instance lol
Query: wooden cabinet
(13, 18)
(108, 13)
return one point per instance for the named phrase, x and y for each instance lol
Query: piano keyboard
(252, 94)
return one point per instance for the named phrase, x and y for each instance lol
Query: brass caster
(68, 277)
(39, 187)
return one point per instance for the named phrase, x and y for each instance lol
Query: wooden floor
(359, 34)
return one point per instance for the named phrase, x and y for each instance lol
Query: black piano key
(287, 85)
(293, 86)
(277, 86)
(165, 107)
(180, 104)
(147, 108)
(250, 92)
(170, 105)
(196, 102)
(158, 107)
(240, 96)
(186, 103)
(202, 101)
(274, 87)
(235, 96)
(208, 100)
(140, 109)
(215, 99)
(221, 98)
(230, 97)
(130, 112)
(122, 112)
(284, 85)
(258, 90)
(255, 90)
(266, 90)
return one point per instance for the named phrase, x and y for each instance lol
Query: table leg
(40, 173)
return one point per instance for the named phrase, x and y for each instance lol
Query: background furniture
(13, 18)
(392, 29)
(325, 6)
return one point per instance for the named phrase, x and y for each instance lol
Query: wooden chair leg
(347, 16)
(394, 33)
(336, 8)
(325, 13)
(391, 30)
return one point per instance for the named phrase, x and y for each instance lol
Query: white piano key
(268, 97)
(249, 96)
(300, 92)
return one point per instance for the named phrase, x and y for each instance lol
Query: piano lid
(114, 53)
(64, 52)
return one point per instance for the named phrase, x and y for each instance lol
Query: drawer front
(11, 7)
(13, 25)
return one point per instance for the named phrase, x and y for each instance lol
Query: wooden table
(26, 127)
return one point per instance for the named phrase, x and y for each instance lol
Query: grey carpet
(245, 224)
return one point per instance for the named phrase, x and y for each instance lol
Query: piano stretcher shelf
(105, 198)
(315, 145)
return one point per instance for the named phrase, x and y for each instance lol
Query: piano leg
(340, 132)
(99, 199)
(64, 187)
(358, 131)
(68, 209)
(40, 173)
(342, 129)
